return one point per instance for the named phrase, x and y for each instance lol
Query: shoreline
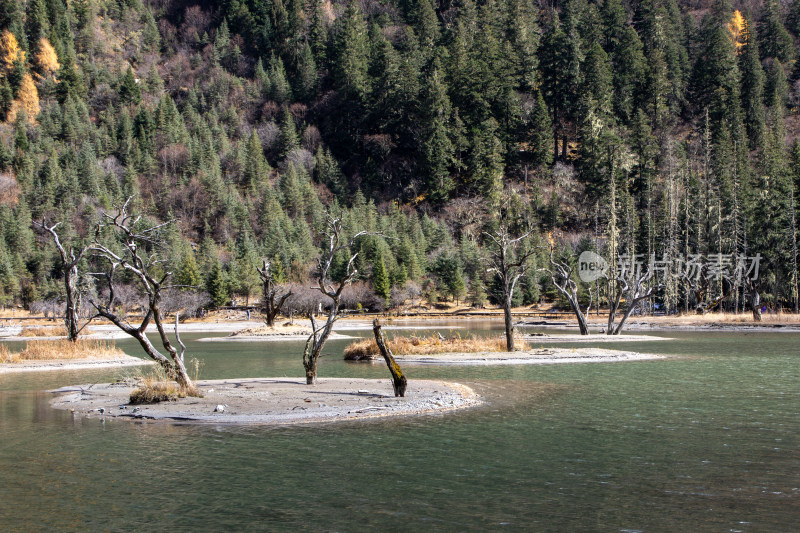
(272, 401)
(73, 364)
(539, 356)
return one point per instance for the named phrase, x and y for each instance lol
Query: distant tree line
(657, 127)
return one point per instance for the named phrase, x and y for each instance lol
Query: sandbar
(273, 401)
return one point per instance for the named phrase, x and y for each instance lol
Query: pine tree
(380, 278)
(774, 40)
(352, 54)
(752, 89)
(256, 169)
(288, 140)
(560, 60)
(307, 77)
(217, 286)
(437, 148)
(630, 67)
(188, 274)
(540, 133)
(37, 25)
(129, 91)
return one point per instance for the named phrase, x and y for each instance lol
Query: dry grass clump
(726, 318)
(61, 349)
(43, 331)
(64, 349)
(368, 349)
(154, 386)
(6, 356)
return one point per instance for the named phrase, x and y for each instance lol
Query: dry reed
(43, 331)
(6, 356)
(368, 348)
(154, 386)
(64, 349)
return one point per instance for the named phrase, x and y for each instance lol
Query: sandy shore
(273, 401)
(72, 364)
(544, 356)
(593, 338)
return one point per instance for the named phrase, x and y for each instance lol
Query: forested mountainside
(658, 127)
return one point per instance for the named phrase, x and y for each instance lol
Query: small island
(271, 401)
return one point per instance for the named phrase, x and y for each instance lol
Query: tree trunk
(399, 381)
(755, 303)
(509, 324)
(71, 310)
(582, 326)
(315, 343)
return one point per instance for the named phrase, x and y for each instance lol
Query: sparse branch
(335, 243)
(510, 262)
(561, 277)
(73, 293)
(134, 259)
(271, 302)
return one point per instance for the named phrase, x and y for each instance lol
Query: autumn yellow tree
(27, 99)
(46, 60)
(737, 28)
(10, 51)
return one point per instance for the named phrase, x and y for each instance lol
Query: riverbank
(540, 356)
(272, 401)
(118, 361)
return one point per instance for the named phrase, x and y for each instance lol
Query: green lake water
(708, 440)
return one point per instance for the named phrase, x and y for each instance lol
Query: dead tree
(561, 276)
(140, 259)
(271, 301)
(754, 288)
(335, 243)
(399, 381)
(634, 291)
(74, 295)
(509, 259)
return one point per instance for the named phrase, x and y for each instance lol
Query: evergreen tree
(752, 89)
(773, 39)
(352, 53)
(437, 148)
(380, 278)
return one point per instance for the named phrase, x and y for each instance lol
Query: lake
(708, 440)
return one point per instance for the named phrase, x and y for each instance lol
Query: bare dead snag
(272, 303)
(399, 381)
(334, 236)
(73, 295)
(755, 299)
(634, 293)
(561, 276)
(139, 257)
(510, 261)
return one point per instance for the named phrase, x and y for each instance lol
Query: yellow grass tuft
(43, 331)
(6, 356)
(64, 349)
(154, 386)
(368, 348)
(692, 319)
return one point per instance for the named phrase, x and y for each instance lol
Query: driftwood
(399, 381)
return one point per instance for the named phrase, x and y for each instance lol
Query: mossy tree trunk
(399, 381)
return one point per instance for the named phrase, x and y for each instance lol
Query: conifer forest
(661, 131)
